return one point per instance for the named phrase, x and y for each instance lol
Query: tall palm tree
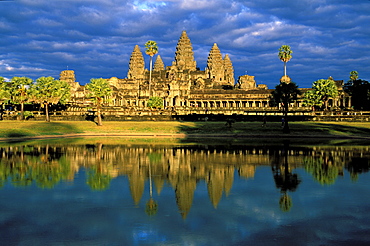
(151, 49)
(285, 54)
(353, 75)
(152, 206)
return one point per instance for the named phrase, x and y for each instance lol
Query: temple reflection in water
(182, 167)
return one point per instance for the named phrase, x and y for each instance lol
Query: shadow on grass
(39, 129)
(16, 136)
(340, 130)
(54, 128)
(311, 133)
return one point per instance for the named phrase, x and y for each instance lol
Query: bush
(155, 102)
(28, 115)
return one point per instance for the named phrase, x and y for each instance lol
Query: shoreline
(23, 130)
(184, 136)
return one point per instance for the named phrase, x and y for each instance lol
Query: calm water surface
(104, 194)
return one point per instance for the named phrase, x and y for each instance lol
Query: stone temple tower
(158, 65)
(229, 71)
(215, 66)
(137, 64)
(184, 56)
(69, 77)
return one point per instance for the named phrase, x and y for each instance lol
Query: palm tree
(285, 54)
(151, 49)
(353, 75)
(151, 207)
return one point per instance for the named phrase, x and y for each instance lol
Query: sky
(96, 38)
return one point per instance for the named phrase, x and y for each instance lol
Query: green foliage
(285, 53)
(97, 180)
(26, 169)
(4, 91)
(353, 75)
(28, 114)
(155, 102)
(19, 87)
(154, 157)
(323, 90)
(311, 99)
(98, 89)
(151, 48)
(323, 173)
(48, 90)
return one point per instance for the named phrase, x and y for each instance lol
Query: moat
(90, 192)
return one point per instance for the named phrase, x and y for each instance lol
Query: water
(111, 194)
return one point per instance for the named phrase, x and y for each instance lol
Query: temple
(185, 89)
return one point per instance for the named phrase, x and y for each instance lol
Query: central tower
(184, 55)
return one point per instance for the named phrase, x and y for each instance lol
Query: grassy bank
(18, 129)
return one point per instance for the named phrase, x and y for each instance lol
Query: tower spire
(184, 56)
(137, 65)
(215, 65)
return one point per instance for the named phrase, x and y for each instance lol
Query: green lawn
(14, 129)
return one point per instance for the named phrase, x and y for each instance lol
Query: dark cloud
(96, 38)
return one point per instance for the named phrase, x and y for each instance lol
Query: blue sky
(96, 38)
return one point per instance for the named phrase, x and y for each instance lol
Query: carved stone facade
(182, 86)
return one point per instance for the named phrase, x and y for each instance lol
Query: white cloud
(5, 66)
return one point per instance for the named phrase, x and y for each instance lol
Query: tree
(99, 89)
(98, 176)
(48, 90)
(323, 90)
(285, 54)
(151, 49)
(353, 75)
(4, 90)
(97, 180)
(286, 93)
(4, 95)
(19, 92)
(151, 206)
(359, 90)
(323, 171)
(311, 99)
(155, 102)
(284, 179)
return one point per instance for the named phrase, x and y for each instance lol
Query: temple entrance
(175, 101)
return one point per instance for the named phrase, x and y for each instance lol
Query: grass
(21, 129)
